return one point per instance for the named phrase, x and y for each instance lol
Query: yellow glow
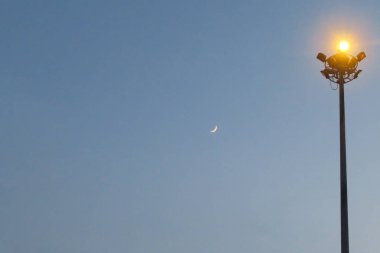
(344, 45)
(331, 27)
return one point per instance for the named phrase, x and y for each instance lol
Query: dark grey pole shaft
(343, 172)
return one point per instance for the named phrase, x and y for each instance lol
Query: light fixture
(352, 63)
(361, 56)
(321, 57)
(357, 73)
(344, 46)
(325, 74)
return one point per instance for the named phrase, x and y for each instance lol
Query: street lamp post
(341, 68)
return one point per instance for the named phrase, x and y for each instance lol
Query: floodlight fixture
(341, 67)
(321, 57)
(357, 73)
(361, 56)
(325, 74)
(352, 63)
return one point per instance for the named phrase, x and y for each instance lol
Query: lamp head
(327, 73)
(344, 46)
(321, 57)
(361, 56)
(357, 73)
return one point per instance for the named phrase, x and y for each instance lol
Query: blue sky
(106, 108)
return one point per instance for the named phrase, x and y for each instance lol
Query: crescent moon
(214, 130)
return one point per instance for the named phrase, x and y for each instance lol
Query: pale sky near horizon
(106, 109)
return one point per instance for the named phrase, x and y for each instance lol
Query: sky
(106, 109)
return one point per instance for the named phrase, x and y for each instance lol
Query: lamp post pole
(343, 171)
(341, 68)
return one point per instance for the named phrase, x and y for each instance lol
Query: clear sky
(106, 109)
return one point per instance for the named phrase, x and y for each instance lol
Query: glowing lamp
(344, 46)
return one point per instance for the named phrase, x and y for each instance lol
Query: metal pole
(343, 171)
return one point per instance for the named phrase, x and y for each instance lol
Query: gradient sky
(106, 108)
